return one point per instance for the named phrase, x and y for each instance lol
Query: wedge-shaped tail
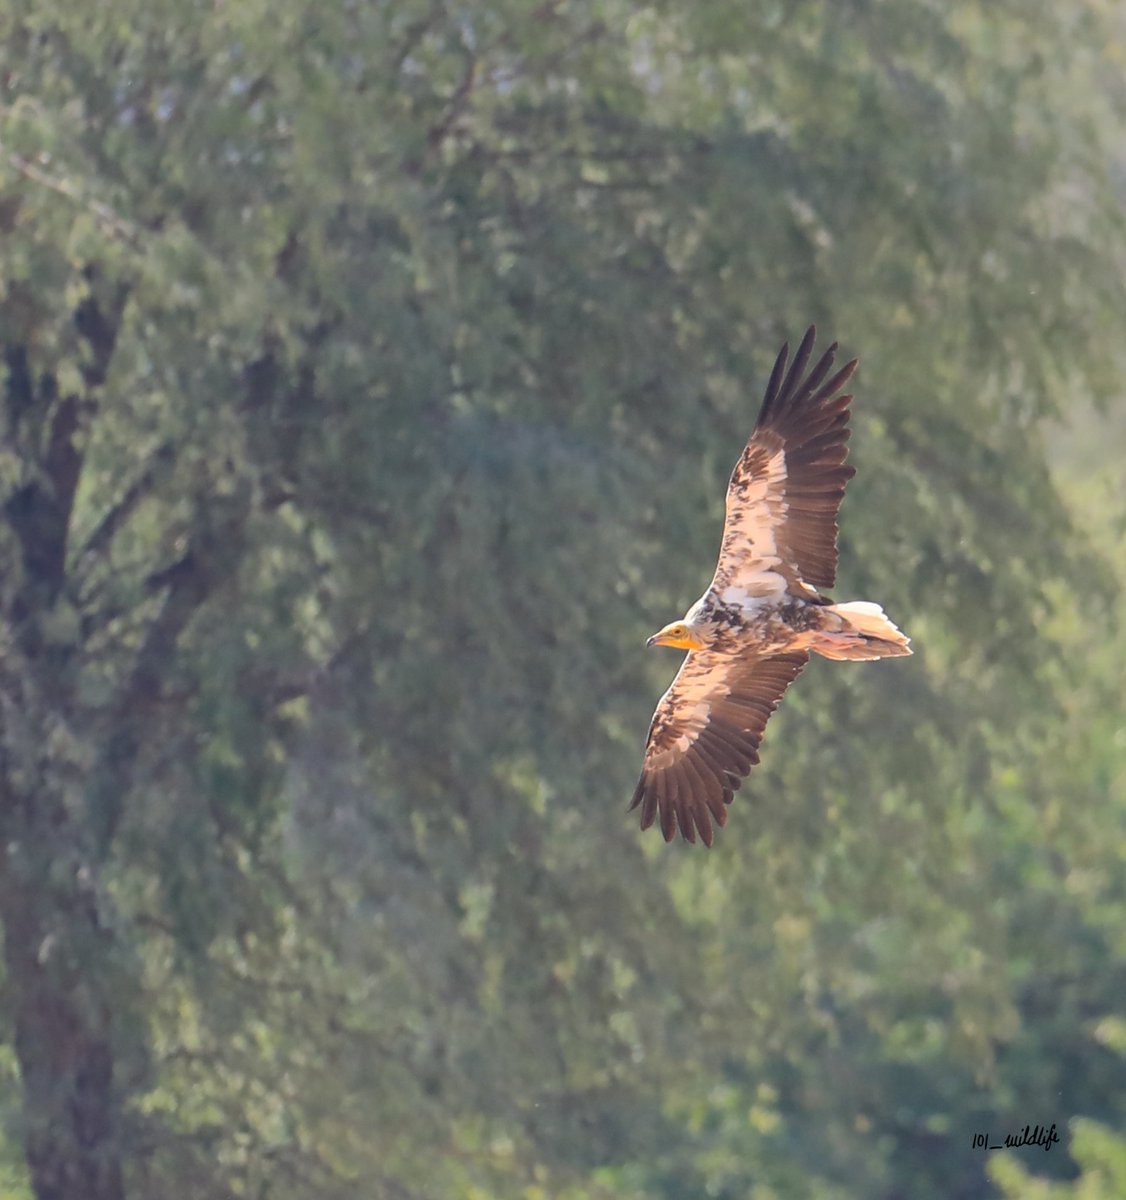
(865, 633)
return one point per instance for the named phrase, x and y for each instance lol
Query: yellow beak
(667, 637)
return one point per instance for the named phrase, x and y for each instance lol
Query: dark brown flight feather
(779, 539)
(797, 519)
(705, 736)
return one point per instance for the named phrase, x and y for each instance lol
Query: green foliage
(1100, 1153)
(373, 372)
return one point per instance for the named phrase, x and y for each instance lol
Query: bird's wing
(786, 489)
(705, 736)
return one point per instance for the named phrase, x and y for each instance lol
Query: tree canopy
(372, 374)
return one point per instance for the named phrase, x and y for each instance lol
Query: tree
(372, 375)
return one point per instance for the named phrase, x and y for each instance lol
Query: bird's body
(734, 623)
(752, 631)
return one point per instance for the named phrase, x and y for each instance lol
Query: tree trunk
(60, 993)
(52, 944)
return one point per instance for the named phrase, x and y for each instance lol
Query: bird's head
(679, 634)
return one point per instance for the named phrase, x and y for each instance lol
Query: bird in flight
(750, 634)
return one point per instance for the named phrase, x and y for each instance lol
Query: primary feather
(752, 631)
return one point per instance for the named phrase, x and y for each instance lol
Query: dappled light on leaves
(371, 377)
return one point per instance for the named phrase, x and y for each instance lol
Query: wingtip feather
(775, 382)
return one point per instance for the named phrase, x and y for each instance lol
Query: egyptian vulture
(750, 634)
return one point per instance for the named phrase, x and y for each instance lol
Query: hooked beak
(681, 641)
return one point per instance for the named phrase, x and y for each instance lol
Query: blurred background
(372, 373)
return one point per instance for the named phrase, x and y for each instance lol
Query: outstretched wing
(705, 736)
(786, 489)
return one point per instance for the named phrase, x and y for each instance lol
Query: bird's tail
(864, 633)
